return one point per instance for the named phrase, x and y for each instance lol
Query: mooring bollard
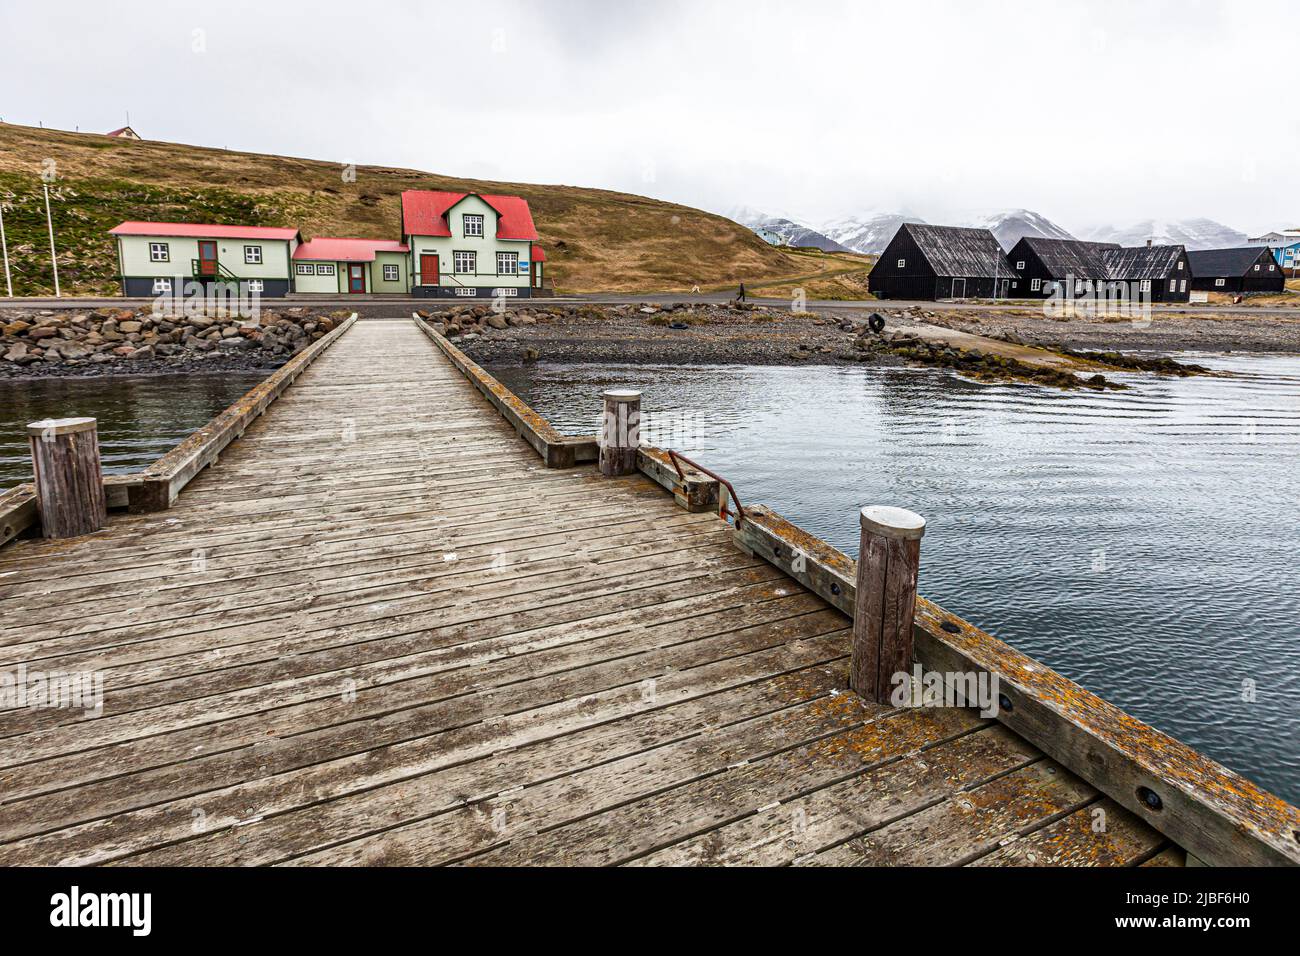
(620, 433)
(69, 481)
(886, 600)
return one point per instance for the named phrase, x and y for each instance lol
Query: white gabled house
(452, 245)
(470, 245)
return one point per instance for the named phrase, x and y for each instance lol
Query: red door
(428, 268)
(207, 257)
(356, 278)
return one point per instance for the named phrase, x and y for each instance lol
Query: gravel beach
(682, 334)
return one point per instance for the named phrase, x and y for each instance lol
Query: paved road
(368, 304)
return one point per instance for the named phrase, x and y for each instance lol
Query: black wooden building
(1245, 270)
(1154, 273)
(942, 262)
(1046, 264)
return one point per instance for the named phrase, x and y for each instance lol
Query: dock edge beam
(1215, 814)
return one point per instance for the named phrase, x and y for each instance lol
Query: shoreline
(1024, 346)
(41, 344)
(142, 369)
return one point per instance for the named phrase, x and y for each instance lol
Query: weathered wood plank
(779, 834)
(162, 481)
(967, 824)
(556, 450)
(1103, 834)
(18, 511)
(729, 793)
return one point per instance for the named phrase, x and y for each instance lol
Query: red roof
(538, 254)
(347, 250)
(119, 132)
(201, 230)
(424, 213)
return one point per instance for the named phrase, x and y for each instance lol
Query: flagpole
(54, 255)
(4, 248)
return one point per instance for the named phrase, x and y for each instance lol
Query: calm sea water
(1144, 543)
(140, 419)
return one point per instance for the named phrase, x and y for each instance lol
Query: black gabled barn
(1046, 264)
(1152, 273)
(1250, 269)
(942, 262)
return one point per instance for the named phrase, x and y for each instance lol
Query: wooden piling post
(620, 433)
(888, 561)
(69, 481)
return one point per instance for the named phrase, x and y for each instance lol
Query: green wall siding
(399, 259)
(183, 250)
(328, 284)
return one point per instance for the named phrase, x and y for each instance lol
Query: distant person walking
(741, 296)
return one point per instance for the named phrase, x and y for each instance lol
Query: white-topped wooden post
(69, 481)
(888, 560)
(620, 432)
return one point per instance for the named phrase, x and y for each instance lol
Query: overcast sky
(1088, 112)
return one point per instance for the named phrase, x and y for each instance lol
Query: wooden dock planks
(379, 630)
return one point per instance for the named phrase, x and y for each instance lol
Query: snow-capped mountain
(1012, 225)
(867, 234)
(1192, 233)
(792, 233)
(871, 233)
(797, 234)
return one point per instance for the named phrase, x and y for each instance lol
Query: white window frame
(1180, 265)
(468, 256)
(1144, 285)
(1220, 282)
(1020, 264)
(391, 272)
(463, 290)
(472, 219)
(325, 268)
(252, 255)
(1035, 285)
(161, 285)
(509, 259)
(1173, 285)
(1272, 268)
(1182, 285)
(902, 263)
(1257, 267)
(160, 252)
(306, 269)
(498, 293)
(256, 285)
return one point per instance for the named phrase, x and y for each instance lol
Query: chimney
(1148, 243)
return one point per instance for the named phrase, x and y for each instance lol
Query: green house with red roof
(453, 245)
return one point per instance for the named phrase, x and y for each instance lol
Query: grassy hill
(596, 240)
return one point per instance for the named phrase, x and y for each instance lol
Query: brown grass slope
(596, 240)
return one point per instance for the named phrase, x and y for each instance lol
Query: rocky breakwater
(468, 323)
(48, 343)
(983, 365)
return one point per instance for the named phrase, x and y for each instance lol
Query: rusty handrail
(723, 511)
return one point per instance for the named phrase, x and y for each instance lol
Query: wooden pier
(379, 629)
